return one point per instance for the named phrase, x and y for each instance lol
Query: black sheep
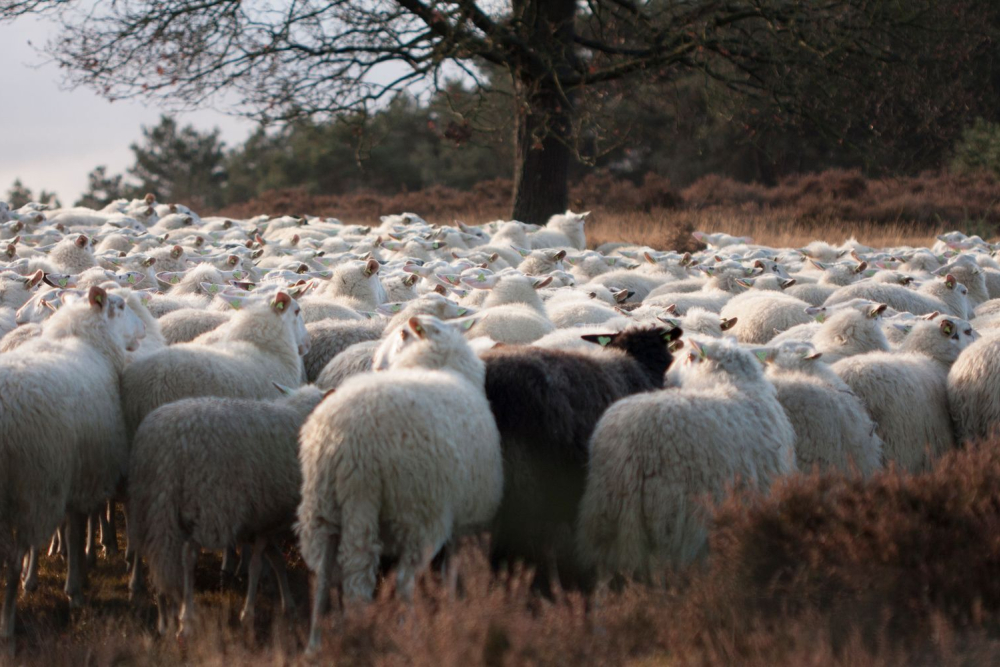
(546, 403)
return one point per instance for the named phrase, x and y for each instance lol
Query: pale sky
(52, 138)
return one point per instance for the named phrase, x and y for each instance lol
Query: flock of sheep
(384, 391)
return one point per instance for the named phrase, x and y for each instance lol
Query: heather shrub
(890, 557)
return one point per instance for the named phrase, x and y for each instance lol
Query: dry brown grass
(833, 206)
(898, 570)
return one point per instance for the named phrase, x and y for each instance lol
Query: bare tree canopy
(808, 58)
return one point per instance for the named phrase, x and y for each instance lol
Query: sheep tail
(613, 535)
(156, 524)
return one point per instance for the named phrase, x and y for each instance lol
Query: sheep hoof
(76, 601)
(246, 618)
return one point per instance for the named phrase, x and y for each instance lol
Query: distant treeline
(675, 134)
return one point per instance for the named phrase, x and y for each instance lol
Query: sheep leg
(91, 543)
(75, 538)
(189, 558)
(30, 582)
(163, 614)
(10, 598)
(321, 594)
(109, 530)
(277, 561)
(129, 547)
(136, 583)
(58, 545)
(414, 559)
(229, 566)
(243, 564)
(256, 565)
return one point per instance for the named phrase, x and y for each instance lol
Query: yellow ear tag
(467, 325)
(396, 307)
(603, 340)
(279, 305)
(761, 356)
(821, 318)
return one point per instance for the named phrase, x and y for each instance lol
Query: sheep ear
(148, 262)
(494, 257)
(281, 302)
(371, 267)
(600, 339)
(672, 335)
(726, 325)
(523, 252)
(390, 308)
(621, 296)
(949, 281)
(35, 278)
(169, 277)
(931, 316)
(746, 283)
(649, 258)
(698, 236)
(97, 298)
(819, 265)
(233, 260)
(559, 256)
(905, 328)
(861, 267)
(416, 327)
(877, 310)
(947, 327)
(672, 321)
(285, 391)
(675, 346)
(411, 280)
(464, 324)
(539, 284)
(610, 261)
(62, 280)
(81, 241)
(211, 289)
(813, 357)
(176, 252)
(785, 284)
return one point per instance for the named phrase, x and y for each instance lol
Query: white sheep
(654, 456)
(945, 296)
(259, 345)
(906, 393)
(61, 407)
(206, 473)
(974, 390)
(562, 230)
(512, 312)
(851, 332)
(761, 315)
(397, 463)
(832, 427)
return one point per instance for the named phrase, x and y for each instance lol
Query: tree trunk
(543, 112)
(542, 156)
